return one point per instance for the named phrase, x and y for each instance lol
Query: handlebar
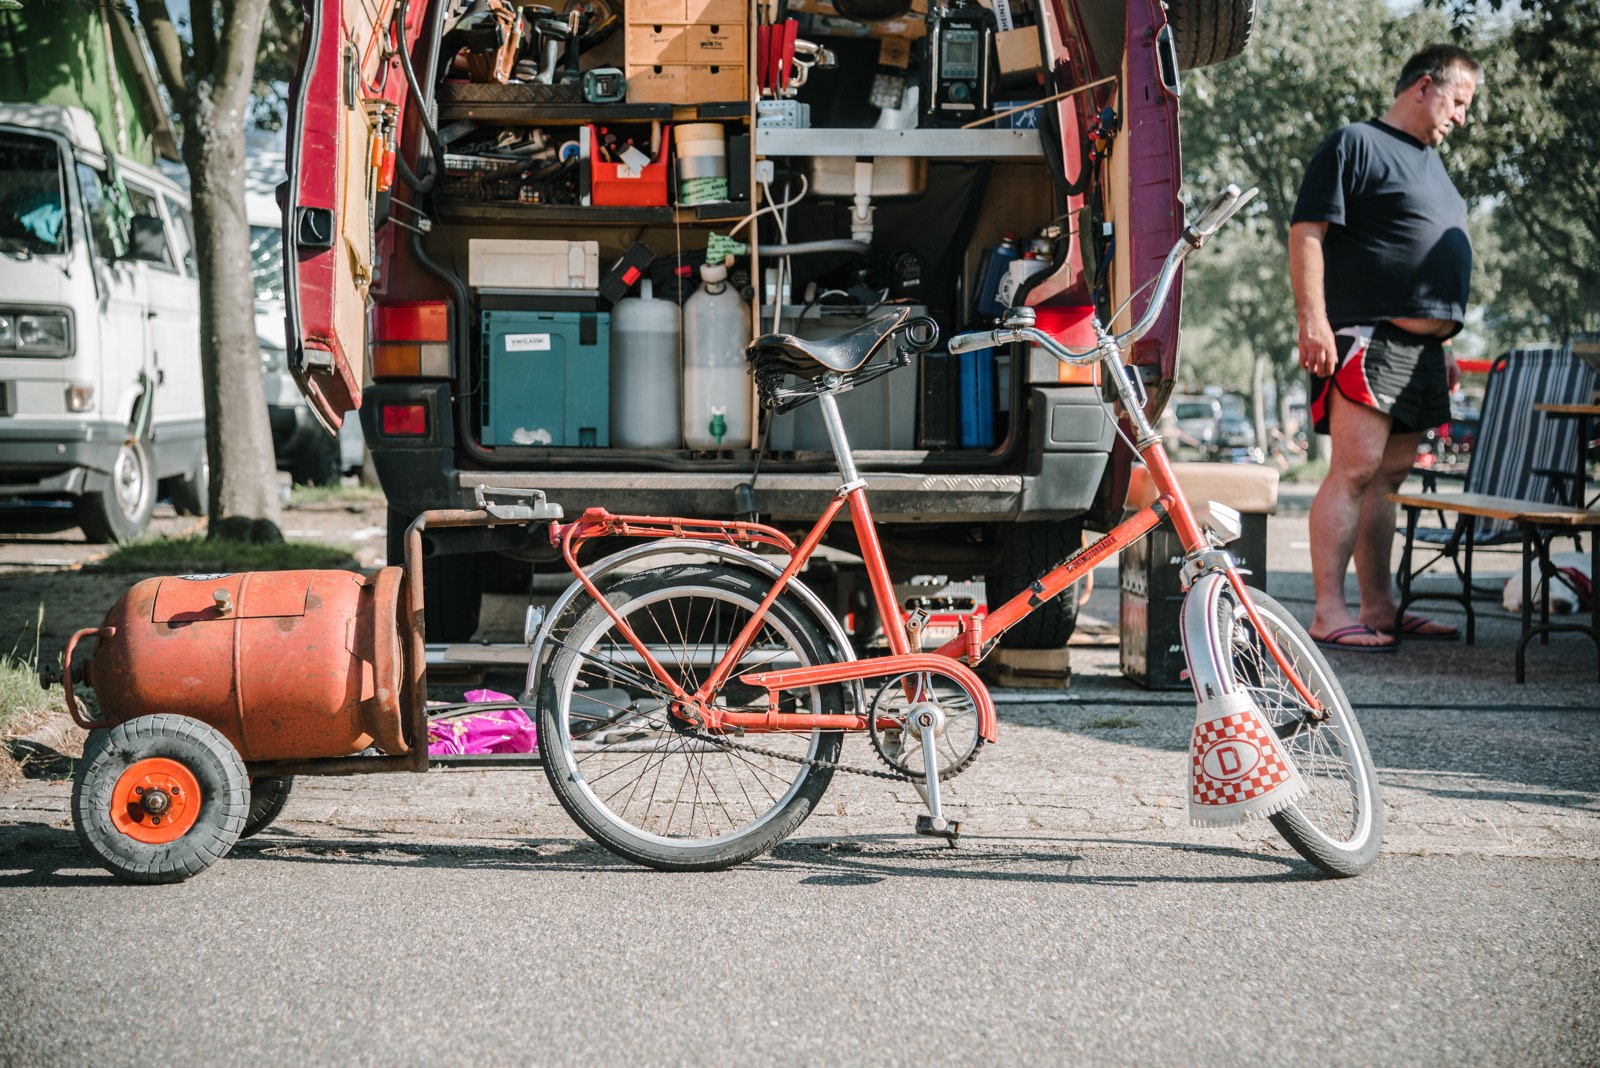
(1017, 323)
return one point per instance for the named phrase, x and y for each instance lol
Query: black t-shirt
(1397, 244)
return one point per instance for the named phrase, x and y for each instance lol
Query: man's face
(1445, 103)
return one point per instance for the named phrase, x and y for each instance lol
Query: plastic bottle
(645, 374)
(995, 263)
(718, 402)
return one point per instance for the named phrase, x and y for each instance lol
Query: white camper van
(100, 394)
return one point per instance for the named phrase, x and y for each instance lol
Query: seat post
(836, 436)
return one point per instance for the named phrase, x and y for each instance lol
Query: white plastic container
(646, 384)
(718, 399)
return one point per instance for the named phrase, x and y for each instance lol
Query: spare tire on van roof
(1209, 31)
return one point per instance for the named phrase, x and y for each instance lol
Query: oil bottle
(645, 372)
(718, 405)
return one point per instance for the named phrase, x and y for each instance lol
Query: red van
(891, 154)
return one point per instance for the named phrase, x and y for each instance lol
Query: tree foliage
(1526, 160)
(1531, 154)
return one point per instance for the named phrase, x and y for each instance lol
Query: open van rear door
(342, 111)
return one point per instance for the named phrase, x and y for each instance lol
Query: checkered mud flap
(1237, 768)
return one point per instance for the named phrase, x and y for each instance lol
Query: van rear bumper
(55, 455)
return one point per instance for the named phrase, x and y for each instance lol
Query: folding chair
(1518, 454)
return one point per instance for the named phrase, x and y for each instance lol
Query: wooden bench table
(1539, 523)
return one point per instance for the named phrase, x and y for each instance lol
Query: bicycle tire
(635, 777)
(1337, 824)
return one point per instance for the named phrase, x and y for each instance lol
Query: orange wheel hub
(156, 801)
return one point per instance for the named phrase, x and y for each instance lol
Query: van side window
(32, 213)
(159, 249)
(107, 223)
(183, 235)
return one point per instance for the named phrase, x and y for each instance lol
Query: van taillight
(404, 420)
(411, 339)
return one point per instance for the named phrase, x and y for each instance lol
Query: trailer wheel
(267, 798)
(159, 798)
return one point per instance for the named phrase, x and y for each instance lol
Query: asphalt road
(461, 918)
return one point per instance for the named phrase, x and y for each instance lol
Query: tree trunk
(210, 82)
(244, 490)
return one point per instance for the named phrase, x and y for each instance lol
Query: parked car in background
(1197, 420)
(301, 445)
(100, 395)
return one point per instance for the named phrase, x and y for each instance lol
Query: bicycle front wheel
(1337, 824)
(644, 782)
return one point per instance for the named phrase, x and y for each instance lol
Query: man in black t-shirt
(1379, 260)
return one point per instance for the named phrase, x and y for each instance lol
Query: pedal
(950, 832)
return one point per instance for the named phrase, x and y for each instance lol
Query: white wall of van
(100, 388)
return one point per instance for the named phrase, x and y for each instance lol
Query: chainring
(957, 744)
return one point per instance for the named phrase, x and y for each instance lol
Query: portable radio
(956, 67)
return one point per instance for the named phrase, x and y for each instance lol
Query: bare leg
(1375, 532)
(1360, 436)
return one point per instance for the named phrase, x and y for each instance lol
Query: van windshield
(1195, 411)
(266, 262)
(32, 209)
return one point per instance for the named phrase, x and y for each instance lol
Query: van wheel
(1209, 31)
(1027, 551)
(191, 493)
(120, 512)
(319, 464)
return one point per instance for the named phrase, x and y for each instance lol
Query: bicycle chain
(871, 773)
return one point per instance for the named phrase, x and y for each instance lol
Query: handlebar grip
(983, 339)
(1222, 208)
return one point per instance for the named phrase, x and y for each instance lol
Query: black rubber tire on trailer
(120, 836)
(452, 587)
(1209, 31)
(191, 493)
(1028, 550)
(119, 513)
(268, 795)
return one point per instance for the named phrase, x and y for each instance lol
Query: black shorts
(1388, 370)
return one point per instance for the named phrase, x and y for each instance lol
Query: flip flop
(1335, 639)
(1411, 630)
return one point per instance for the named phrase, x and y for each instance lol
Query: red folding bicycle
(694, 695)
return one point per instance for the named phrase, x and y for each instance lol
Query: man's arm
(1305, 276)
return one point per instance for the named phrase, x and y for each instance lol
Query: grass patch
(1111, 723)
(20, 692)
(353, 493)
(1310, 471)
(200, 554)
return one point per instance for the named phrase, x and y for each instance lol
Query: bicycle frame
(956, 657)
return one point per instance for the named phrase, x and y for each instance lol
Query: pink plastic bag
(500, 730)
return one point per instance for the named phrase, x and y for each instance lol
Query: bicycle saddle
(843, 353)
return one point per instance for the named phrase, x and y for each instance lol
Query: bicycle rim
(643, 782)
(1337, 824)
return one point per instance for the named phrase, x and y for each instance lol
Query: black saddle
(844, 353)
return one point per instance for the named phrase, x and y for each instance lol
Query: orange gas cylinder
(286, 664)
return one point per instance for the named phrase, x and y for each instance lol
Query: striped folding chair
(1518, 452)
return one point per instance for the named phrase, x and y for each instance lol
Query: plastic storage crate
(546, 378)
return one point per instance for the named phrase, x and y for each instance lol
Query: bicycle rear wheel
(642, 781)
(1337, 824)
